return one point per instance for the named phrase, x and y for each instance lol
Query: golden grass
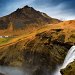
(67, 26)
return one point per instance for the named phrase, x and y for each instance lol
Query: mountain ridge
(24, 17)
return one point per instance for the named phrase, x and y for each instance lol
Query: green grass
(4, 40)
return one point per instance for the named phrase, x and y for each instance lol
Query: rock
(69, 70)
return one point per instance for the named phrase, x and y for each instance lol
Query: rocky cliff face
(69, 70)
(40, 53)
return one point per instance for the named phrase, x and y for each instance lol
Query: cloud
(8, 6)
(61, 9)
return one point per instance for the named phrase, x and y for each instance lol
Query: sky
(60, 9)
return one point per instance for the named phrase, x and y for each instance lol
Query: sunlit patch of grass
(72, 38)
(4, 40)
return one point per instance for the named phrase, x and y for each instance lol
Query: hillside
(41, 50)
(24, 20)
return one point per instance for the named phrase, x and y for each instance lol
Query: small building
(4, 36)
(1, 36)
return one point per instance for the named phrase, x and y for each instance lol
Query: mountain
(42, 44)
(26, 18)
(39, 51)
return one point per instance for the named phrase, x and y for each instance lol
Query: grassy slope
(38, 49)
(23, 37)
(67, 27)
(4, 40)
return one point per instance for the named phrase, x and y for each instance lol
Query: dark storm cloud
(4, 3)
(68, 3)
(8, 6)
(3, 6)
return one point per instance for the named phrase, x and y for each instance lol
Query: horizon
(61, 9)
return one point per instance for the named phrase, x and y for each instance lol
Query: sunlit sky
(61, 9)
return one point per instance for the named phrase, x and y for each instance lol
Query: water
(11, 71)
(17, 71)
(69, 58)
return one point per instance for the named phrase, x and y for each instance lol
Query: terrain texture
(40, 50)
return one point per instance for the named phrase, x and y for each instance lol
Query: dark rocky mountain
(25, 16)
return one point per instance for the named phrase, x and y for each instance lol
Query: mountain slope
(26, 19)
(41, 50)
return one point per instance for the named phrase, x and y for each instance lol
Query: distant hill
(25, 18)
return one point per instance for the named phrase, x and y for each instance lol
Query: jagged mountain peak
(28, 7)
(25, 10)
(25, 7)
